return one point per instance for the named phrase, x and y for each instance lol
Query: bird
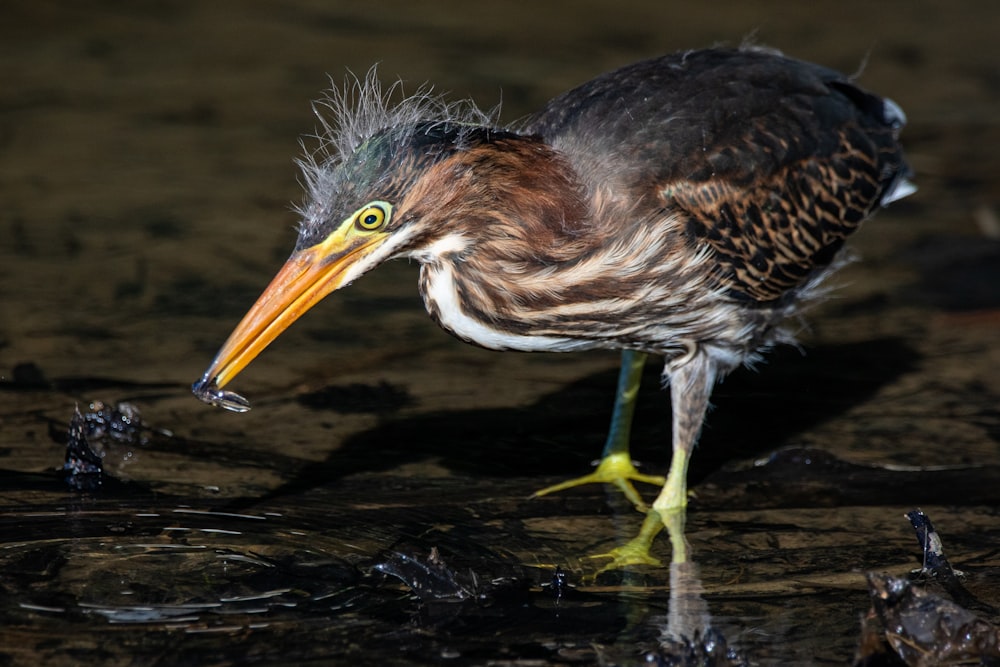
(688, 206)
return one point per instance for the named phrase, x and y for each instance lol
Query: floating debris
(924, 629)
(936, 564)
(911, 626)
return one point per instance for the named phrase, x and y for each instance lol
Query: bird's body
(685, 206)
(705, 225)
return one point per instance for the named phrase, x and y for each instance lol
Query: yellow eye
(372, 217)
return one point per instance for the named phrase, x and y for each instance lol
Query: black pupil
(371, 219)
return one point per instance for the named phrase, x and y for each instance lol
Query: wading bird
(685, 206)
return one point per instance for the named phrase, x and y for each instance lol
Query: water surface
(145, 180)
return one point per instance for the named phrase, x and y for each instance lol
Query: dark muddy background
(145, 180)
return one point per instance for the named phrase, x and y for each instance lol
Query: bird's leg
(691, 384)
(616, 465)
(690, 387)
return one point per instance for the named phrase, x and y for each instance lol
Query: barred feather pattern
(692, 202)
(613, 276)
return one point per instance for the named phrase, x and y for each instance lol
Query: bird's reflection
(456, 599)
(687, 635)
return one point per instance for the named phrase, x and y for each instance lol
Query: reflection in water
(145, 177)
(179, 570)
(223, 566)
(176, 567)
(684, 637)
(687, 637)
(330, 566)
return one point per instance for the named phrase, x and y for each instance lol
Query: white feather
(442, 293)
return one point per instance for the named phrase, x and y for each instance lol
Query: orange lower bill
(303, 281)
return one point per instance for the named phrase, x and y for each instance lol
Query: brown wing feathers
(777, 204)
(774, 161)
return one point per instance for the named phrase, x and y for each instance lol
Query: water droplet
(206, 390)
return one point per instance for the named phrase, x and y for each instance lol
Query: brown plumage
(771, 162)
(684, 206)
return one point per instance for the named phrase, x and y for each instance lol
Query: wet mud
(375, 505)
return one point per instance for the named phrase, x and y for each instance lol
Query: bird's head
(389, 180)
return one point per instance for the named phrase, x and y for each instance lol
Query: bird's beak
(307, 277)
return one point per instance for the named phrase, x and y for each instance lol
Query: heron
(689, 207)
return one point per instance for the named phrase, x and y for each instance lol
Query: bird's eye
(372, 217)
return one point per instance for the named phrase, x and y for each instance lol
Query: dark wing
(772, 161)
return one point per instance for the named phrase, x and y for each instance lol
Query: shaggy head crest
(366, 132)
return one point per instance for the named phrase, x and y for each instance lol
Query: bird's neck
(517, 211)
(535, 203)
(499, 212)
(537, 260)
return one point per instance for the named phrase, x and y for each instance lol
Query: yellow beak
(307, 277)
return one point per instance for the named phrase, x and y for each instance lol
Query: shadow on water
(386, 517)
(349, 560)
(754, 412)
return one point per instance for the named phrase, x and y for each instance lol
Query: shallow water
(145, 179)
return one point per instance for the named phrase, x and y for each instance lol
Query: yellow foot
(636, 550)
(616, 469)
